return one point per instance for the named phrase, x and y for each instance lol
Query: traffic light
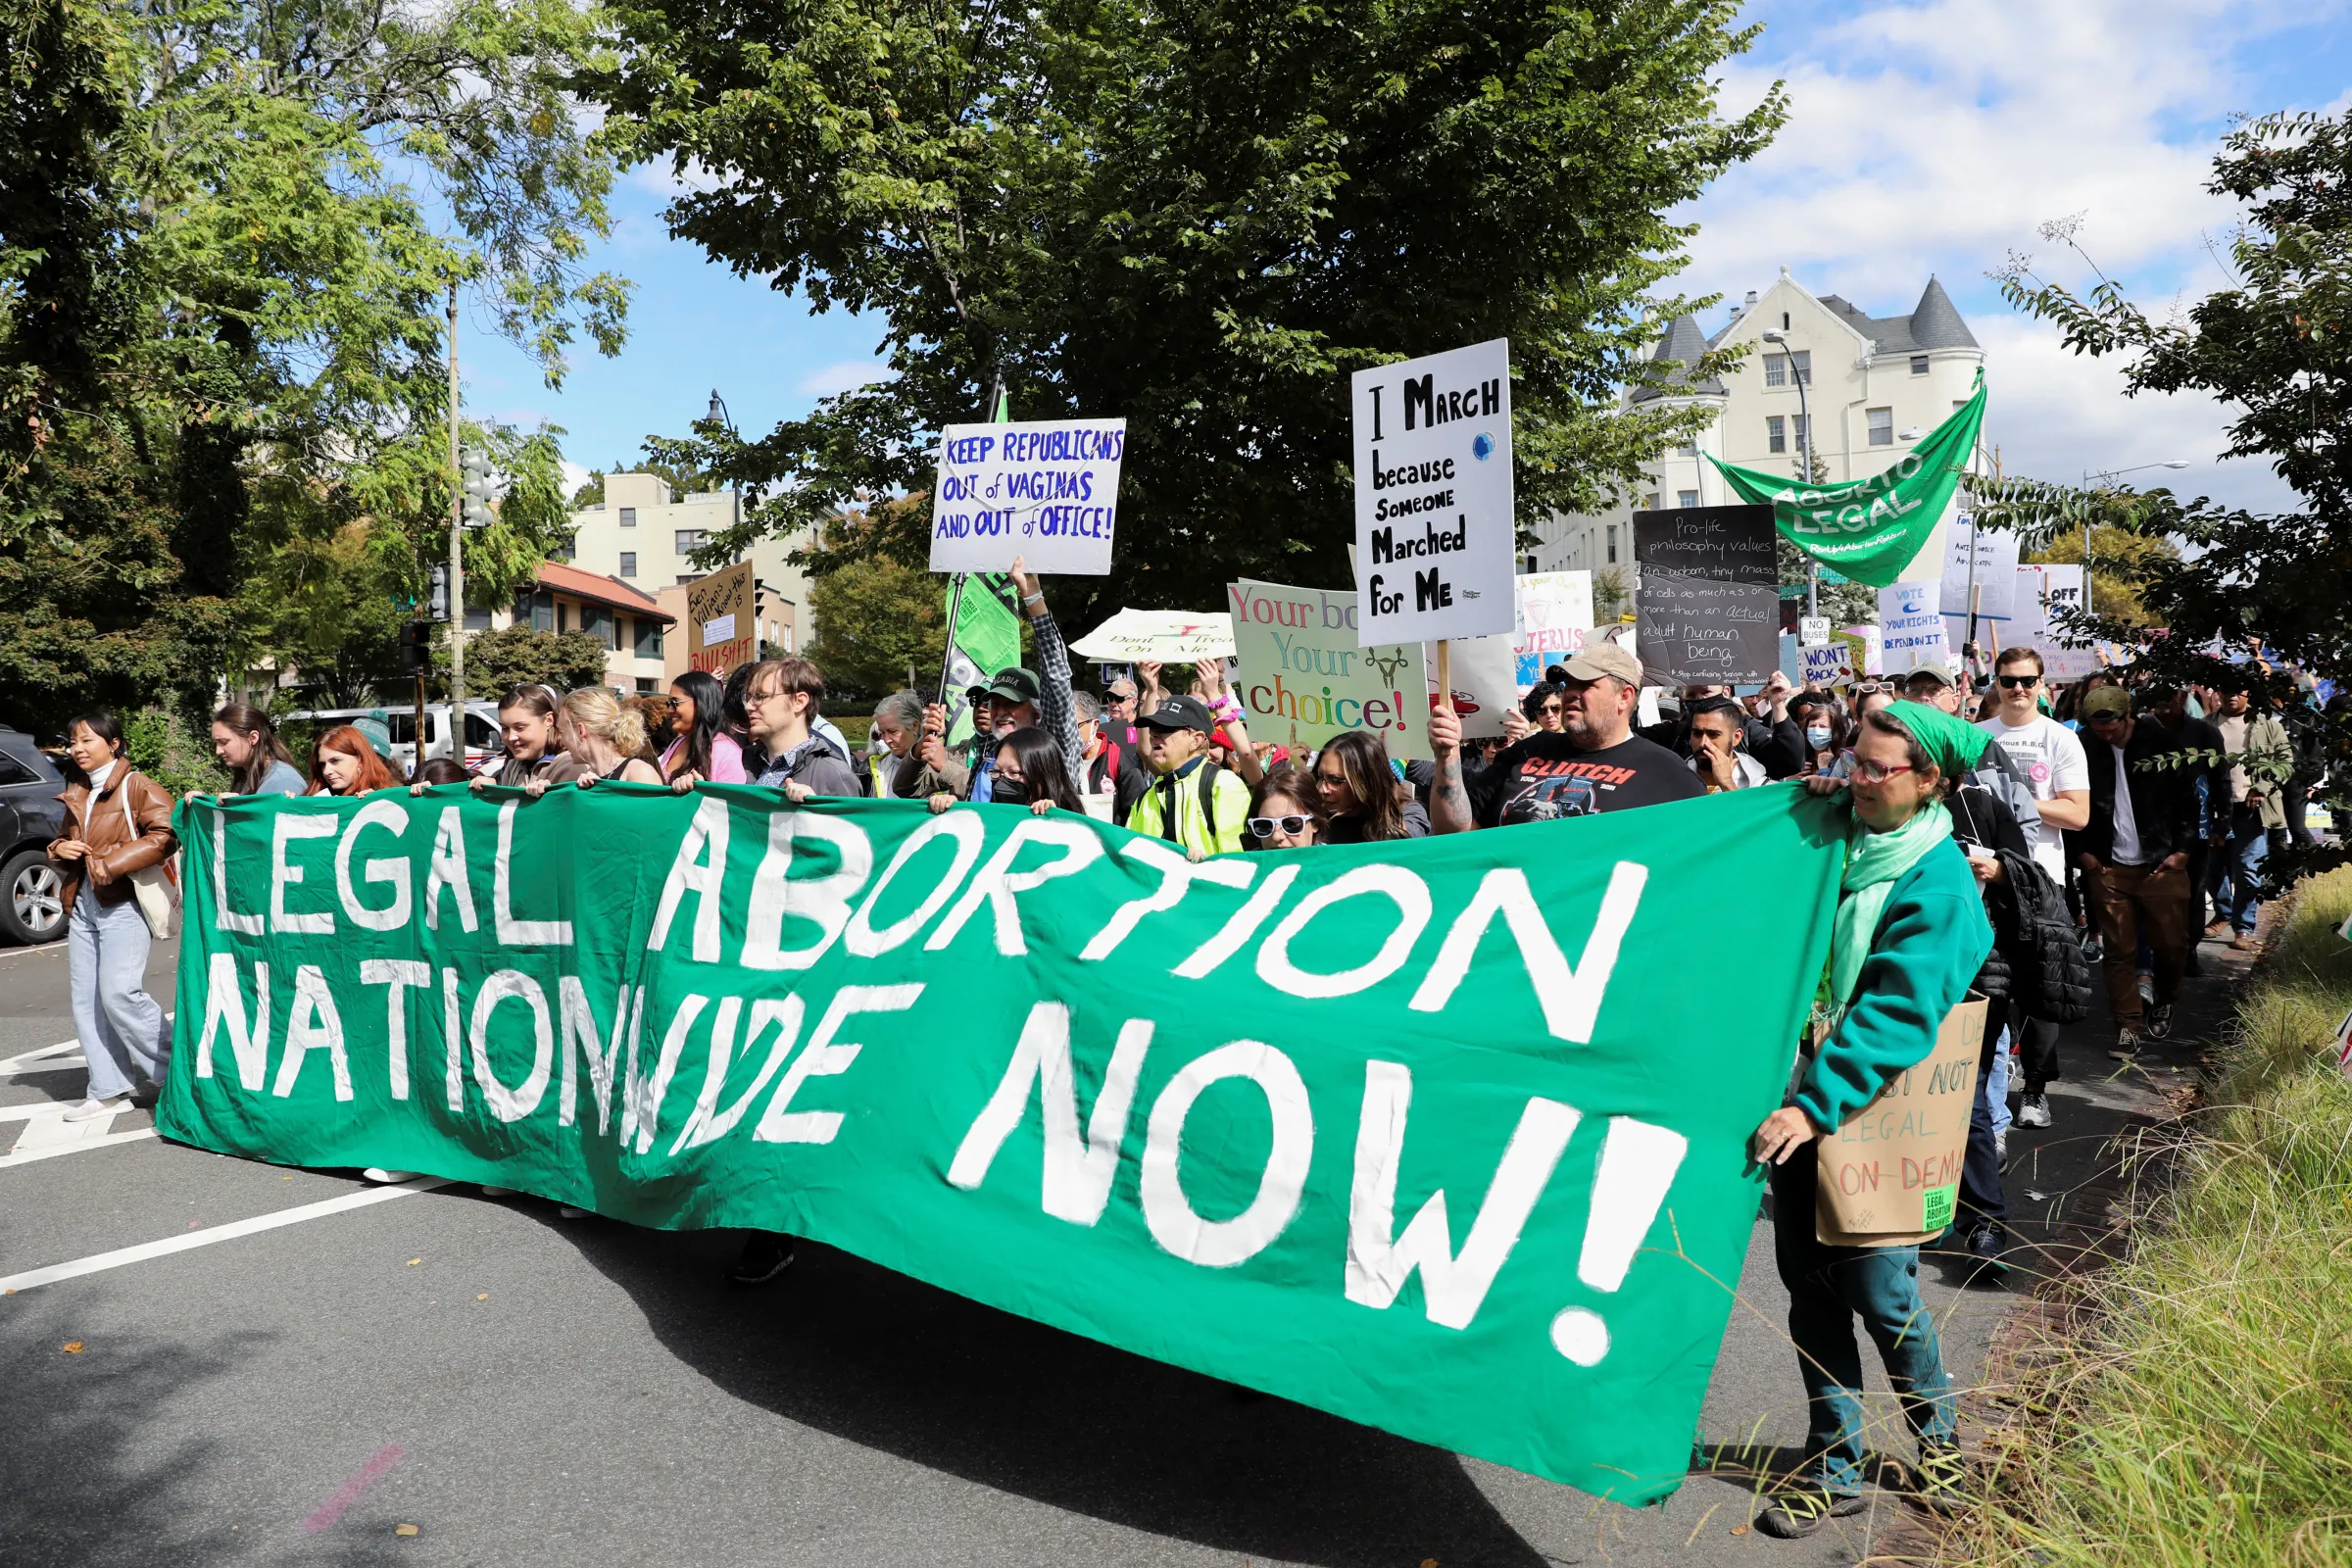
(416, 645)
(438, 602)
(477, 486)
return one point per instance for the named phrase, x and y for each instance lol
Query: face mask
(1817, 736)
(1009, 791)
(2197, 709)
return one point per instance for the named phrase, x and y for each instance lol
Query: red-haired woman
(343, 762)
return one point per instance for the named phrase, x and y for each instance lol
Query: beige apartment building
(1874, 386)
(642, 536)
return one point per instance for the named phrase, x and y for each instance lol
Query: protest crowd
(2005, 838)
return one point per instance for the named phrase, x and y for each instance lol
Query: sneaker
(1936, 1479)
(1986, 1244)
(2147, 991)
(2001, 1148)
(2160, 1021)
(387, 1178)
(2126, 1046)
(2033, 1109)
(2094, 950)
(2218, 928)
(489, 1190)
(567, 1212)
(1796, 1514)
(93, 1109)
(764, 1256)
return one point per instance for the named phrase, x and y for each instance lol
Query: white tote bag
(152, 886)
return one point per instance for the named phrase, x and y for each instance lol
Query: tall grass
(2196, 1407)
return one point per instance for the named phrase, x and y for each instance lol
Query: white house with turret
(1873, 386)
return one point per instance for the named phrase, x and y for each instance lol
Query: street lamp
(1804, 420)
(2105, 474)
(720, 414)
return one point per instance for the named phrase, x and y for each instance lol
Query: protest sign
(1870, 529)
(1047, 489)
(1434, 521)
(2044, 596)
(1864, 642)
(722, 621)
(1911, 632)
(1171, 637)
(1889, 1175)
(1555, 615)
(1709, 608)
(983, 636)
(2343, 1037)
(1990, 584)
(1304, 677)
(1812, 630)
(1203, 1112)
(1830, 665)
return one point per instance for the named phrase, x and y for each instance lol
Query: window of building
(1783, 320)
(1882, 427)
(1919, 364)
(1613, 541)
(647, 686)
(649, 638)
(690, 540)
(563, 617)
(628, 516)
(1686, 498)
(618, 633)
(569, 550)
(477, 619)
(1775, 433)
(595, 621)
(1776, 369)
(1688, 449)
(1800, 432)
(1802, 360)
(629, 563)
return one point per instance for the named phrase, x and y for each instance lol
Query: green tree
(875, 619)
(2276, 347)
(520, 656)
(2114, 561)
(1199, 216)
(221, 302)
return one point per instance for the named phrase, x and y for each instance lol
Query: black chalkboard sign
(1710, 610)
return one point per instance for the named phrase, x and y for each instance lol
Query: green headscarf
(1876, 861)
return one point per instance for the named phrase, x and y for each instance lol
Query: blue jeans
(1996, 1089)
(2234, 866)
(1827, 1286)
(121, 1029)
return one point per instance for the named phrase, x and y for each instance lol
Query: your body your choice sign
(1432, 497)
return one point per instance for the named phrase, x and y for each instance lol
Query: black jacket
(2164, 801)
(2036, 957)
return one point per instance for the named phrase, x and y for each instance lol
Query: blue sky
(1924, 137)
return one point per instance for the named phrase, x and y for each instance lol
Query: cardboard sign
(1434, 549)
(1710, 606)
(1812, 630)
(1303, 677)
(1172, 637)
(722, 621)
(1555, 615)
(1992, 581)
(1911, 629)
(1046, 489)
(1831, 664)
(2043, 595)
(1891, 1175)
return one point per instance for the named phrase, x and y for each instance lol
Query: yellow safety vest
(1219, 832)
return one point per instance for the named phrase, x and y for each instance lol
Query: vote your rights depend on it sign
(1432, 497)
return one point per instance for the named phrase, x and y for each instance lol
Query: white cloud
(574, 475)
(843, 375)
(1935, 138)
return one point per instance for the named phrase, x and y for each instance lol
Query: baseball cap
(1941, 675)
(2107, 702)
(1016, 685)
(1601, 657)
(377, 731)
(1181, 713)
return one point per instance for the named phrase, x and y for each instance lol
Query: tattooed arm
(1448, 801)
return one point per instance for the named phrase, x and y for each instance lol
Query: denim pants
(2235, 864)
(122, 1028)
(1994, 1091)
(1827, 1286)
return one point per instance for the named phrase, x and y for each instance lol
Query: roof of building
(610, 592)
(1684, 343)
(1934, 323)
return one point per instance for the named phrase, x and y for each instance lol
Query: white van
(481, 731)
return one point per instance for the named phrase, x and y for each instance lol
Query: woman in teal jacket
(1908, 937)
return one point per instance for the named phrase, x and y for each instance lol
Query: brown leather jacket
(116, 850)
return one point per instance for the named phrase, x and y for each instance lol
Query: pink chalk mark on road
(349, 1492)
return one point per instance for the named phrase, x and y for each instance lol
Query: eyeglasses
(1876, 772)
(2019, 683)
(1263, 827)
(1332, 781)
(1551, 710)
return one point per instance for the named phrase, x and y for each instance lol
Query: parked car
(33, 908)
(481, 731)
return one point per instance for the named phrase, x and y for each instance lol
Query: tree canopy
(1196, 213)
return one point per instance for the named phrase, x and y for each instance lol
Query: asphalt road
(528, 1390)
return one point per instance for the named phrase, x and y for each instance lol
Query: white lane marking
(32, 1154)
(32, 1060)
(55, 1132)
(101, 1261)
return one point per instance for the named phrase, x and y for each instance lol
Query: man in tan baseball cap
(1594, 762)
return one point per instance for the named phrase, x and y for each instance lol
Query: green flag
(985, 636)
(1448, 1136)
(1872, 528)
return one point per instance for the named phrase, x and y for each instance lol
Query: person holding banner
(527, 723)
(781, 696)
(701, 751)
(1908, 937)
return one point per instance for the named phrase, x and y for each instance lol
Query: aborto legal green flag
(983, 636)
(1447, 1136)
(1872, 528)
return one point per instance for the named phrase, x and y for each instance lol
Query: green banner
(983, 636)
(1871, 529)
(1447, 1136)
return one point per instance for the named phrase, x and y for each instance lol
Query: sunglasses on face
(2019, 683)
(1549, 710)
(1263, 827)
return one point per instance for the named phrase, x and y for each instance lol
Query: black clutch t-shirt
(1545, 776)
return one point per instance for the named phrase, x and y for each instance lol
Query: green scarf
(1874, 863)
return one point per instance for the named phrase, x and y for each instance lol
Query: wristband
(1229, 709)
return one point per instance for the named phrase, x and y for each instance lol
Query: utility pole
(457, 536)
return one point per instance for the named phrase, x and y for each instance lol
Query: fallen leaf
(1738, 1530)
(403, 1530)
(1429, 1562)
(414, 1262)
(72, 1347)
(484, 1296)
